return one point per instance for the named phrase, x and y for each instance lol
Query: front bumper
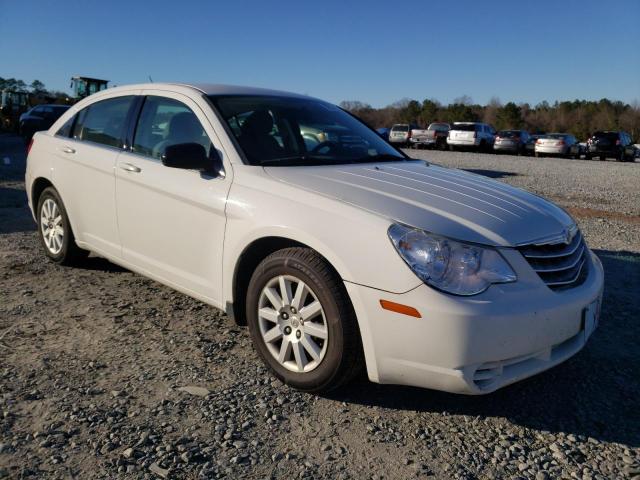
(475, 345)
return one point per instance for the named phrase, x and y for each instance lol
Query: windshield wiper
(277, 161)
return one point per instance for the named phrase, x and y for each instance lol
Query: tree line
(35, 87)
(579, 117)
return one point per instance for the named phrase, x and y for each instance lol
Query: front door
(172, 220)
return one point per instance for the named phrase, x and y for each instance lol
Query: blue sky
(376, 52)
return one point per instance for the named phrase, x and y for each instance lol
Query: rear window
(439, 126)
(509, 133)
(558, 136)
(400, 128)
(468, 127)
(607, 135)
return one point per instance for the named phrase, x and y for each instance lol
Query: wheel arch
(249, 259)
(38, 186)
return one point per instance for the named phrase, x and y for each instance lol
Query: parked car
(511, 141)
(435, 136)
(477, 136)
(609, 144)
(529, 147)
(39, 118)
(400, 134)
(555, 144)
(577, 150)
(334, 257)
(384, 133)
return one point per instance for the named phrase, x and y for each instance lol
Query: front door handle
(68, 150)
(130, 168)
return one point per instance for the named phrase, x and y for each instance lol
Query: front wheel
(55, 231)
(301, 321)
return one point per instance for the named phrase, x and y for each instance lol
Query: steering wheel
(322, 145)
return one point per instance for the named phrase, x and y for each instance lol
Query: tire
(452, 148)
(587, 157)
(537, 154)
(602, 158)
(54, 230)
(338, 356)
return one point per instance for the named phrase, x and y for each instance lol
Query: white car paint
(483, 134)
(189, 232)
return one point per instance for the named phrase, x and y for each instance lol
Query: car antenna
(150, 79)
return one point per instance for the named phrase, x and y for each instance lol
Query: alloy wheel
(292, 324)
(51, 226)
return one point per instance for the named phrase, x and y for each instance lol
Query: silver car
(555, 144)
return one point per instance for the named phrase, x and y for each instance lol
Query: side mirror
(191, 156)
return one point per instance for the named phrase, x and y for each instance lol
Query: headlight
(454, 267)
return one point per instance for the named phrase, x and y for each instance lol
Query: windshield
(274, 130)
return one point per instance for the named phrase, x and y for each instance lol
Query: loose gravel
(105, 374)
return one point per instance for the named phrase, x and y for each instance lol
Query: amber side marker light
(399, 308)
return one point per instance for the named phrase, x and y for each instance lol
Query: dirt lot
(92, 360)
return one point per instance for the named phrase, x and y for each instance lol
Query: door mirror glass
(190, 156)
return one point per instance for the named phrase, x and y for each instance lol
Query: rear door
(172, 220)
(84, 172)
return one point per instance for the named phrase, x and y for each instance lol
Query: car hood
(448, 202)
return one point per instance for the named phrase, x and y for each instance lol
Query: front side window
(103, 122)
(164, 122)
(273, 130)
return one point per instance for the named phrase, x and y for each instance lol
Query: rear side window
(65, 130)
(164, 122)
(104, 122)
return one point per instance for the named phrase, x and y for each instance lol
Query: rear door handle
(130, 168)
(68, 150)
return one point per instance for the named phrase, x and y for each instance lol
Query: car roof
(204, 88)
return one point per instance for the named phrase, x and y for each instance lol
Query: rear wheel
(301, 321)
(602, 158)
(55, 231)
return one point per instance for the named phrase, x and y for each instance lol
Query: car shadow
(490, 173)
(594, 394)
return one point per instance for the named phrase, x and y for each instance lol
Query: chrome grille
(559, 265)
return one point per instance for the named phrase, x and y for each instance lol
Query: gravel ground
(105, 374)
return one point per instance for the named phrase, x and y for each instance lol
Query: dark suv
(616, 145)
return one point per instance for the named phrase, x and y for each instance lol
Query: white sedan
(337, 255)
